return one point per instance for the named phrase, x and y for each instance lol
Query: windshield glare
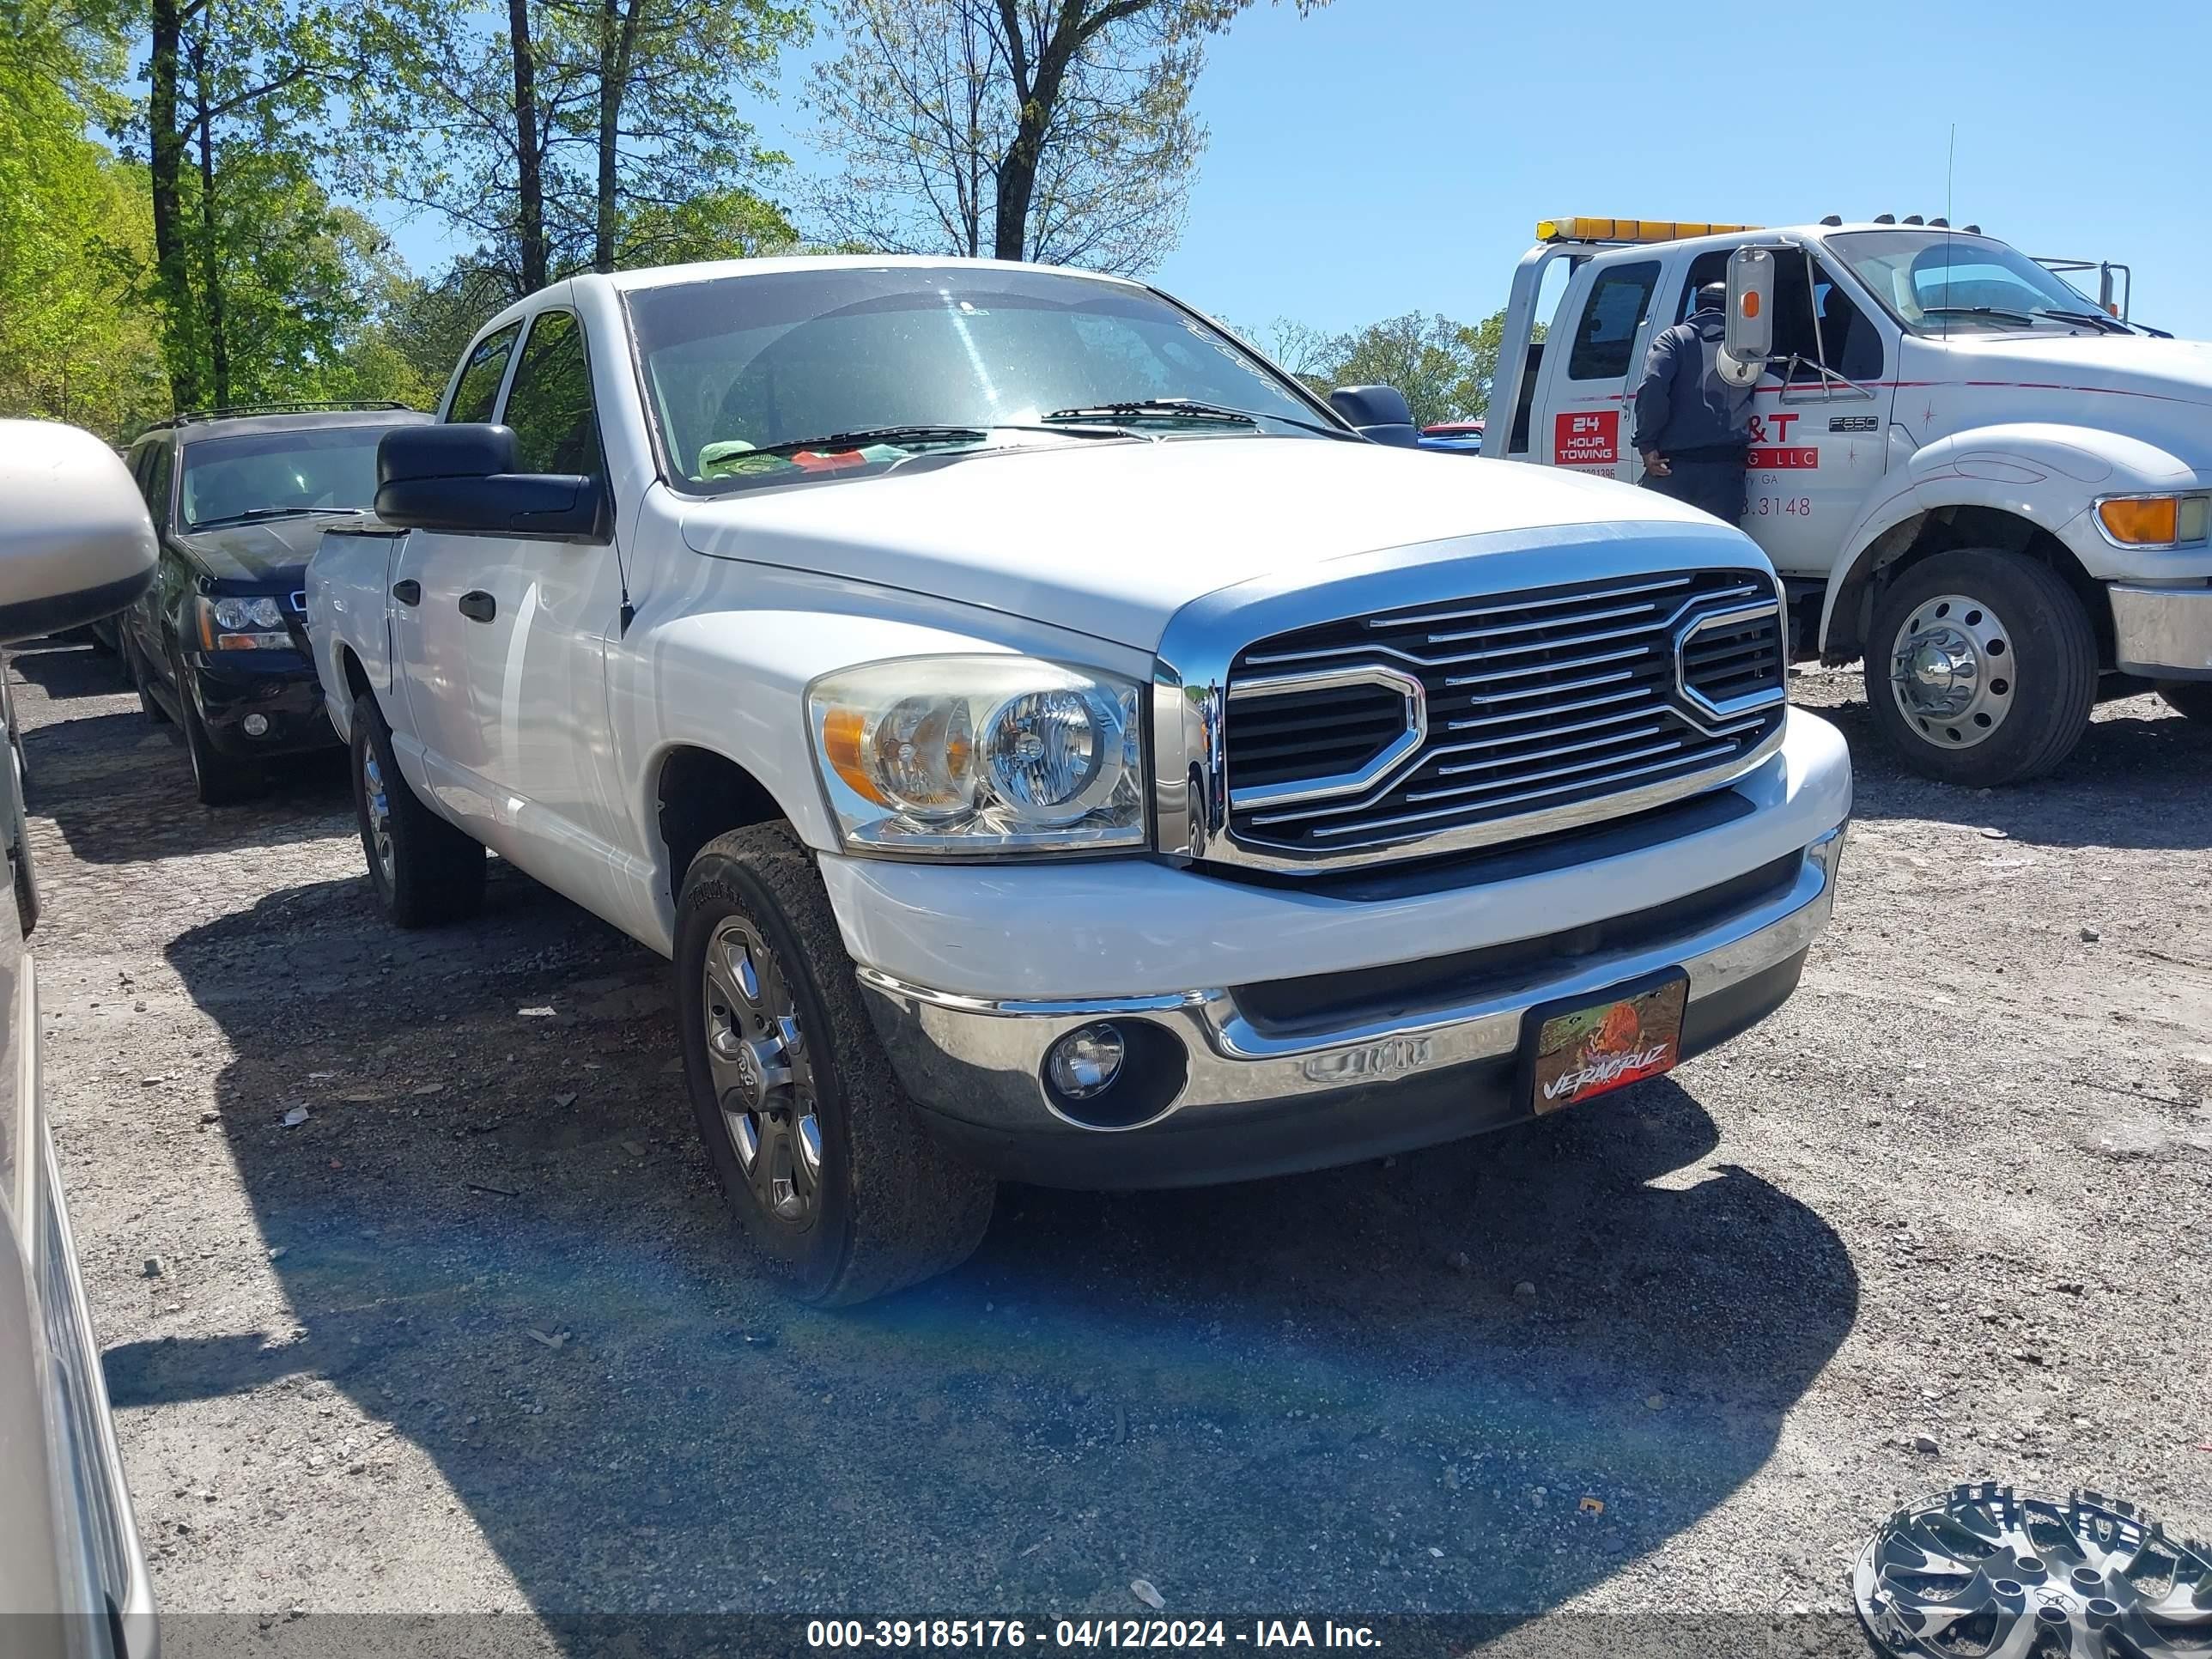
(299, 470)
(1969, 282)
(743, 364)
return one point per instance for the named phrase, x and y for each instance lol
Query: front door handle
(408, 593)
(478, 605)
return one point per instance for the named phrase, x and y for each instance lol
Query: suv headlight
(252, 623)
(979, 756)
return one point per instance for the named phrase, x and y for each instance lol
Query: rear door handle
(478, 605)
(408, 593)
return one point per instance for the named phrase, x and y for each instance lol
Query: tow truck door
(1582, 418)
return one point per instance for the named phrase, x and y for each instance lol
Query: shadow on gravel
(67, 668)
(1322, 1393)
(2136, 779)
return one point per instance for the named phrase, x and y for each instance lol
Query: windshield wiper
(2019, 316)
(252, 512)
(1191, 409)
(2096, 319)
(914, 437)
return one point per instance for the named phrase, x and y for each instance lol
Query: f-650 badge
(1854, 423)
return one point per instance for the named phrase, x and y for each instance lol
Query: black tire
(435, 873)
(134, 669)
(2047, 668)
(888, 1207)
(2191, 699)
(218, 779)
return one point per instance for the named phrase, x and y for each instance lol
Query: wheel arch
(1919, 532)
(698, 794)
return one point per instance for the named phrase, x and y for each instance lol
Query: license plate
(1573, 1052)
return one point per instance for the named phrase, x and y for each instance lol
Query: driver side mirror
(1380, 412)
(76, 544)
(461, 478)
(1749, 342)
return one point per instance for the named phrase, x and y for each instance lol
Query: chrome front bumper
(977, 1065)
(2162, 633)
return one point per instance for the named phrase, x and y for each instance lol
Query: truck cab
(1989, 487)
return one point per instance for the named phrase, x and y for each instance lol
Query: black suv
(218, 644)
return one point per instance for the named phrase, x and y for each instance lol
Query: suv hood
(265, 550)
(1112, 539)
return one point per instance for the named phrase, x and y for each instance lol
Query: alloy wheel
(380, 813)
(1951, 671)
(762, 1078)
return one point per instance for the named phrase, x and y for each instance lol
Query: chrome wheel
(763, 1083)
(380, 813)
(1950, 671)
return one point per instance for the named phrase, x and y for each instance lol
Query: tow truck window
(1606, 332)
(1936, 281)
(1845, 341)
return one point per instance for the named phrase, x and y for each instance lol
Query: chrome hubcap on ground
(1950, 670)
(379, 814)
(762, 1080)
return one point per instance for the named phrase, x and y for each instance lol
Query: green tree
(75, 237)
(1057, 130)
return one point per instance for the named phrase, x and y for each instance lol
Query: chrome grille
(1523, 706)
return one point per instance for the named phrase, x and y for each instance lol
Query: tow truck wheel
(423, 870)
(816, 1145)
(2191, 699)
(1981, 668)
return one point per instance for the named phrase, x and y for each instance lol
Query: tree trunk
(529, 178)
(171, 281)
(1017, 170)
(211, 238)
(617, 43)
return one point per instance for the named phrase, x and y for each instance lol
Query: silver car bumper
(978, 1067)
(2162, 633)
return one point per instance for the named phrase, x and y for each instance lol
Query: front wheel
(817, 1147)
(218, 779)
(1981, 668)
(2191, 699)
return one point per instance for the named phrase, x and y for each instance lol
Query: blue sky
(1388, 155)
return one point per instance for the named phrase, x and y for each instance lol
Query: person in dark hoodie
(1690, 424)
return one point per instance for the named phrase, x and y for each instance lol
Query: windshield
(272, 473)
(1935, 281)
(943, 358)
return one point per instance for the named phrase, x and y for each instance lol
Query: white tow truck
(1991, 487)
(1050, 743)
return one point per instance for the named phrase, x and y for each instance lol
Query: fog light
(1085, 1061)
(257, 725)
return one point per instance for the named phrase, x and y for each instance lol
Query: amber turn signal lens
(843, 731)
(2145, 519)
(1751, 304)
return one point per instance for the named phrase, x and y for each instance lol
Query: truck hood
(273, 551)
(2173, 371)
(1112, 539)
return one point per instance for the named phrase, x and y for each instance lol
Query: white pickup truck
(1978, 480)
(1052, 743)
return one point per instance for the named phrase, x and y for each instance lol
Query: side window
(481, 374)
(1606, 332)
(1851, 342)
(550, 404)
(1705, 267)
(157, 484)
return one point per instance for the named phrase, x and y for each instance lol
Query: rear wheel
(1981, 668)
(816, 1145)
(424, 871)
(2192, 698)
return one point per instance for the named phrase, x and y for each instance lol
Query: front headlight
(252, 623)
(978, 755)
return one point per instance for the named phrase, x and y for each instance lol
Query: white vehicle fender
(347, 612)
(2045, 474)
(733, 682)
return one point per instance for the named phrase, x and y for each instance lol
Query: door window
(1606, 333)
(550, 404)
(157, 485)
(481, 376)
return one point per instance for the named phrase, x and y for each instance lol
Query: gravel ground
(475, 1336)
